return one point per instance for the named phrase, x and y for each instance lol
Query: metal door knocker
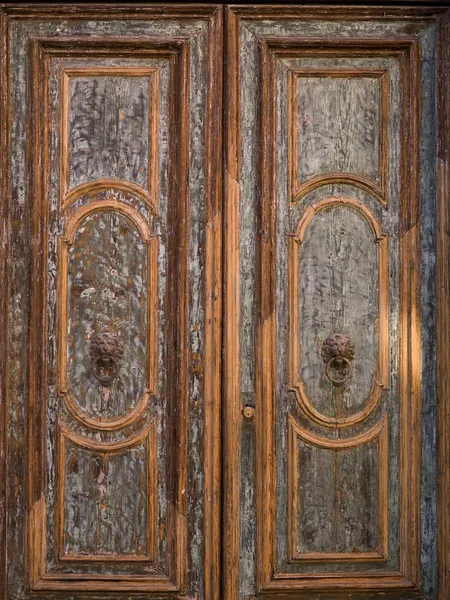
(337, 353)
(105, 351)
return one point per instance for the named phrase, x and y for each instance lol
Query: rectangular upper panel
(106, 124)
(339, 124)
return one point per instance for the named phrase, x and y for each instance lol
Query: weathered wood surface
(117, 492)
(256, 255)
(108, 129)
(108, 289)
(375, 498)
(338, 279)
(338, 126)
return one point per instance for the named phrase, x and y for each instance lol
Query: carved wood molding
(150, 196)
(43, 51)
(66, 242)
(148, 436)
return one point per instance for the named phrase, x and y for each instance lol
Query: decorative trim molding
(66, 241)
(101, 185)
(42, 52)
(268, 577)
(147, 435)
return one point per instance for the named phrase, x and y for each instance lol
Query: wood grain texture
(4, 274)
(343, 525)
(189, 271)
(353, 145)
(115, 522)
(318, 308)
(231, 366)
(90, 127)
(443, 302)
(89, 303)
(274, 41)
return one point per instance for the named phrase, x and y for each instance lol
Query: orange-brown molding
(338, 178)
(300, 188)
(150, 197)
(232, 361)
(381, 382)
(148, 435)
(212, 386)
(107, 424)
(101, 185)
(379, 432)
(176, 51)
(111, 205)
(317, 417)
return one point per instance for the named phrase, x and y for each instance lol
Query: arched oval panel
(106, 337)
(338, 285)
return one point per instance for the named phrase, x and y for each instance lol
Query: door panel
(115, 174)
(330, 220)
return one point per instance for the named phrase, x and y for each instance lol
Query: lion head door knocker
(337, 353)
(105, 352)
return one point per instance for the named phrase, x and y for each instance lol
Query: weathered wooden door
(113, 174)
(330, 375)
(301, 449)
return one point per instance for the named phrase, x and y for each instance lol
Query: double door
(225, 370)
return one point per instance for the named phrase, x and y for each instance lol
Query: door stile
(443, 307)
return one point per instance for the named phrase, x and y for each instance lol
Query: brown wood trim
(110, 11)
(382, 376)
(231, 360)
(111, 424)
(4, 300)
(213, 312)
(300, 188)
(113, 205)
(65, 242)
(150, 196)
(409, 330)
(265, 377)
(177, 330)
(104, 184)
(443, 308)
(334, 582)
(334, 12)
(39, 131)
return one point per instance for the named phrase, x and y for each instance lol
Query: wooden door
(332, 129)
(112, 171)
(299, 451)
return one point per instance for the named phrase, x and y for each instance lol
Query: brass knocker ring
(339, 368)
